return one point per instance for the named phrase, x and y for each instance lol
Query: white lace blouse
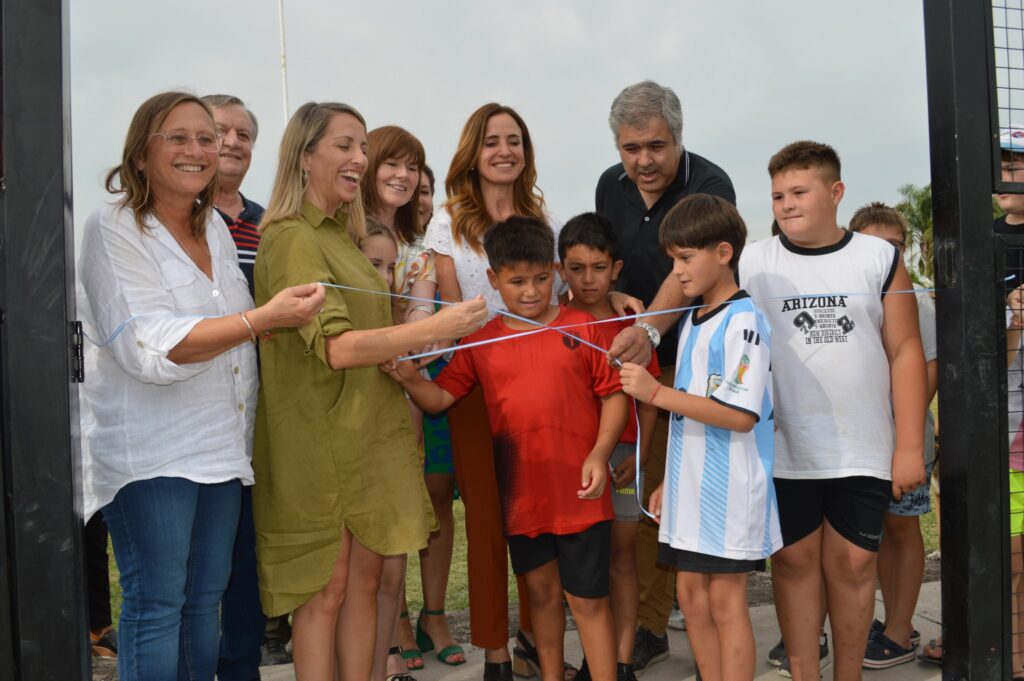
(471, 267)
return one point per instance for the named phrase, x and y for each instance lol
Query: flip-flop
(923, 656)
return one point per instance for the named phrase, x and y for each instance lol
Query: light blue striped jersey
(719, 498)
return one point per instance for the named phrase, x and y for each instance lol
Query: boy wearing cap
(1012, 165)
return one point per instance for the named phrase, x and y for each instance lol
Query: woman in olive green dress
(339, 484)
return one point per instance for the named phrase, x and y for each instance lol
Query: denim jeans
(172, 540)
(241, 618)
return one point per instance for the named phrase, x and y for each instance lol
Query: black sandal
(497, 671)
(526, 664)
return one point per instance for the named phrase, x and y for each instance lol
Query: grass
(458, 588)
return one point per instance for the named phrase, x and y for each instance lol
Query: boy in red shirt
(588, 252)
(556, 412)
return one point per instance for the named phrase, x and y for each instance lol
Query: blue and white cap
(1012, 139)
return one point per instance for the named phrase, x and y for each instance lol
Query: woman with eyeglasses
(339, 480)
(170, 393)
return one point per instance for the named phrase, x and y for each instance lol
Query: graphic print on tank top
(822, 319)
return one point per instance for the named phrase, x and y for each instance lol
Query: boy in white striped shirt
(717, 510)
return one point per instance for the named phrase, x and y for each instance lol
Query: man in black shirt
(634, 195)
(655, 173)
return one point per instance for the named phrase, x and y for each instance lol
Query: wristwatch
(652, 333)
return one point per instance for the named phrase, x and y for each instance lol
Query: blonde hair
(303, 132)
(376, 228)
(133, 184)
(470, 220)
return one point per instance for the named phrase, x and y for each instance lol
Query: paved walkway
(680, 665)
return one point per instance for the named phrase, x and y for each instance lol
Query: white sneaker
(677, 620)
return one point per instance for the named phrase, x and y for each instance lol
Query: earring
(305, 177)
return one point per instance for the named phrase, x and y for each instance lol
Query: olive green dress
(333, 449)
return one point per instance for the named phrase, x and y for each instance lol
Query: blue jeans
(241, 618)
(172, 540)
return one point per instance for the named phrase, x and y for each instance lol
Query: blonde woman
(339, 484)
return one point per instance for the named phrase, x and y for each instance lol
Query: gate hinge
(77, 349)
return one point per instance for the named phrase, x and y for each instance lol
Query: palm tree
(916, 209)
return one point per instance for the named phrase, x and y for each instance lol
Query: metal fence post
(42, 574)
(972, 379)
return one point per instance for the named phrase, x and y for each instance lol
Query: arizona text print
(823, 319)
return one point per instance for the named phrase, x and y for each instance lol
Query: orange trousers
(486, 546)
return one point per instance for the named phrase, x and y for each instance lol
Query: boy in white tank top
(849, 379)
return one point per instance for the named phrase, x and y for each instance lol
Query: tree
(916, 209)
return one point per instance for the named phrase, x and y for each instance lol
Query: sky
(752, 77)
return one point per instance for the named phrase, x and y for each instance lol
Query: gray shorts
(624, 500)
(917, 502)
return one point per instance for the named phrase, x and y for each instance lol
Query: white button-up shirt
(143, 416)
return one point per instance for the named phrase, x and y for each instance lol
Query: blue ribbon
(541, 328)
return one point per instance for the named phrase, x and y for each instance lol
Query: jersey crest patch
(714, 380)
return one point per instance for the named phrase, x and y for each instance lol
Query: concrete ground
(680, 664)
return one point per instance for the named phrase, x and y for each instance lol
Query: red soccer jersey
(629, 434)
(543, 401)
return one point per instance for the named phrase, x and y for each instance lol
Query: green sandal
(426, 644)
(413, 654)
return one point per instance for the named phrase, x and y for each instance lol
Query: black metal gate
(975, 58)
(42, 603)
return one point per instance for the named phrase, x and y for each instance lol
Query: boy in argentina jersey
(717, 503)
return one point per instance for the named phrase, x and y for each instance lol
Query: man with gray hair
(655, 173)
(238, 127)
(248, 640)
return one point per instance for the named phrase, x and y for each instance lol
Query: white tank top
(833, 402)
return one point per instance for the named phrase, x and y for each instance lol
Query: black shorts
(583, 558)
(855, 507)
(691, 561)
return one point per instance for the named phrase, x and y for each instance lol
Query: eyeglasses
(897, 243)
(208, 143)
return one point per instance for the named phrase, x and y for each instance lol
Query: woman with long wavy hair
(338, 479)
(491, 178)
